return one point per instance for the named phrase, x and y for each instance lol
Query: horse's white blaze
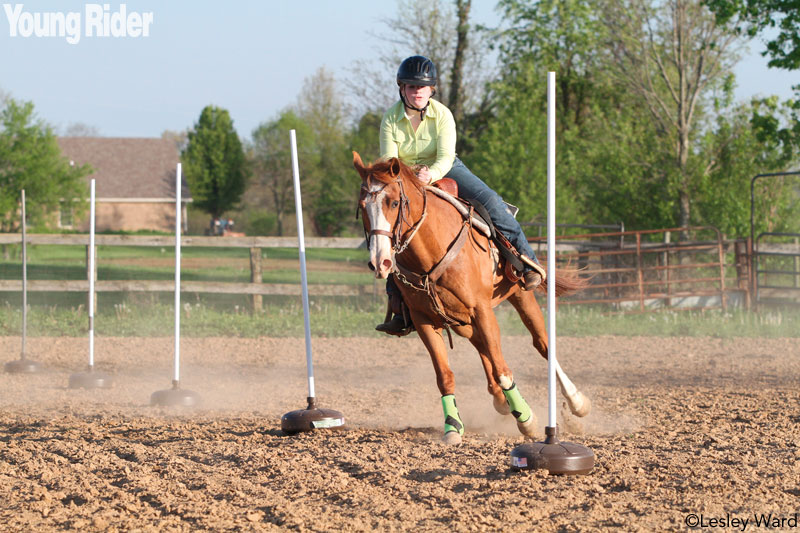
(380, 246)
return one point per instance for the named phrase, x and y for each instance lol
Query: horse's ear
(394, 167)
(359, 165)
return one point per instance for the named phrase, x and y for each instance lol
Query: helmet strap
(405, 103)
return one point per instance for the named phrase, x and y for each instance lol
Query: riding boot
(395, 326)
(534, 273)
(532, 279)
(397, 321)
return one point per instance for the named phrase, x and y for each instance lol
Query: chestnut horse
(450, 276)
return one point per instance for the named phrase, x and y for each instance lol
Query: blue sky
(250, 57)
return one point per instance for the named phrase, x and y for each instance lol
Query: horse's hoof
(579, 404)
(528, 428)
(451, 437)
(501, 405)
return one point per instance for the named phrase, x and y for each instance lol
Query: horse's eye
(395, 204)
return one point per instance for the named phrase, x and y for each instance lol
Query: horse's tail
(568, 281)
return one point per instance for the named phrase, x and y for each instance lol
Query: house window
(65, 215)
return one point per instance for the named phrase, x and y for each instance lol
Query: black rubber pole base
(91, 379)
(310, 419)
(558, 458)
(175, 397)
(22, 366)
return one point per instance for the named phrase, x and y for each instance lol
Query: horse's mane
(381, 170)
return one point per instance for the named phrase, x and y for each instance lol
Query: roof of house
(128, 167)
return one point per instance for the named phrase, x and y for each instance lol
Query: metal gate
(775, 258)
(776, 268)
(649, 270)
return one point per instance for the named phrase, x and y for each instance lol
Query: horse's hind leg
(445, 380)
(486, 339)
(531, 314)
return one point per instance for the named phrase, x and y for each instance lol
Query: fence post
(255, 277)
(639, 270)
(667, 270)
(722, 294)
(797, 263)
(742, 262)
(751, 254)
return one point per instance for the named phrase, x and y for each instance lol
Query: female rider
(421, 132)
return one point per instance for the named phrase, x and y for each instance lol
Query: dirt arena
(698, 432)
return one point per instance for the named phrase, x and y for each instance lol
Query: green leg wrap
(452, 420)
(519, 407)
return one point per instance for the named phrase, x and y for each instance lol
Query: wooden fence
(255, 287)
(639, 271)
(631, 270)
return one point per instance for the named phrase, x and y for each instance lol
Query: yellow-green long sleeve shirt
(433, 144)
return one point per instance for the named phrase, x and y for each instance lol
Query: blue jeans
(471, 187)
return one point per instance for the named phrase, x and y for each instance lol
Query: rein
(426, 281)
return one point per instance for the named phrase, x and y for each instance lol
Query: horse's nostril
(371, 266)
(387, 263)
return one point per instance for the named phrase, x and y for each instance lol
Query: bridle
(399, 244)
(425, 281)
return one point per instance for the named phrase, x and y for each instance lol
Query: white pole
(177, 365)
(551, 248)
(302, 247)
(91, 275)
(24, 277)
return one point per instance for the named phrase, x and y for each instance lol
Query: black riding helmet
(419, 71)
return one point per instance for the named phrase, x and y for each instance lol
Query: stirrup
(396, 326)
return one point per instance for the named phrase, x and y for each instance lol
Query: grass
(152, 314)
(69, 263)
(581, 322)
(337, 319)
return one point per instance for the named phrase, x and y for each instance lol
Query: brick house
(134, 182)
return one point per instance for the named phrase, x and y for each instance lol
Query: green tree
(333, 195)
(30, 159)
(214, 162)
(364, 136)
(756, 16)
(745, 141)
(542, 36)
(633, 85)
(271, 158)
(441, 31)
(671, 55)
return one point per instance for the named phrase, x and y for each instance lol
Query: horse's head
(384, 206)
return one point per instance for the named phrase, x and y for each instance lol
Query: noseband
(399, 244)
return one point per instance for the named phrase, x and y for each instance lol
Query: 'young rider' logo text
(99, 20)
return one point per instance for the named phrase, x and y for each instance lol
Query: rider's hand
(424, 174)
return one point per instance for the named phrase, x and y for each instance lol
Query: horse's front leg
(486, 339)
(498, 398)
(445, 380)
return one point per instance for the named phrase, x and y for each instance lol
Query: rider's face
(416, 95)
